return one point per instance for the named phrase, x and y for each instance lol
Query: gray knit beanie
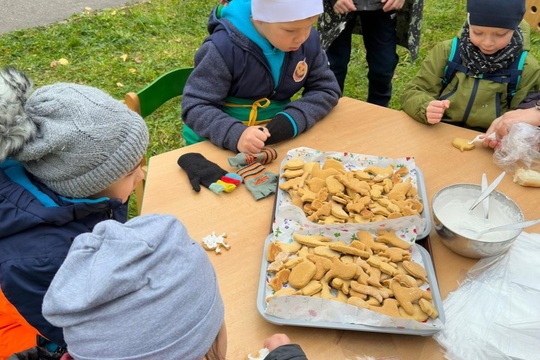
(76, 139)
(505, 14)
(139, 290)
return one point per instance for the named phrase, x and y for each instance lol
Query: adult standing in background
(384, 24)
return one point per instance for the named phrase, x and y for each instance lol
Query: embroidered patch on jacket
(300, 71)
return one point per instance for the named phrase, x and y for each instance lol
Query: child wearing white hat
(259, 54)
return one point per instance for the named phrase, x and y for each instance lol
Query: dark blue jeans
(379, 34)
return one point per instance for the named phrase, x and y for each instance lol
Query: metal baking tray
(420, 183)
(264, 290)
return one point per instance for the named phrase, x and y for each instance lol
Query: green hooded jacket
(482, 99)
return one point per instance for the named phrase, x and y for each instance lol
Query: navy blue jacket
(229, 64)
(246, 61)
(37, 227)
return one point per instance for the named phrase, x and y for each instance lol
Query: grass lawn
(121, 50)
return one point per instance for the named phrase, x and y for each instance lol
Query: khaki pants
(218, 350)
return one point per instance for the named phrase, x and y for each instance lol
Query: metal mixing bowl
(452, 220)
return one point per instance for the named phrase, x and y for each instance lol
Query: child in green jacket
(492, 74)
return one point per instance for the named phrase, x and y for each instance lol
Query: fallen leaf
(53, 64)
(132, 70)
(63, 61)
(124, 57)
(119, 84)
(137, 60)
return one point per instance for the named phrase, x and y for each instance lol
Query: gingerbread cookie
(215, 242)
(462, 144)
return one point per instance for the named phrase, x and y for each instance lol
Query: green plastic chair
(149, 99)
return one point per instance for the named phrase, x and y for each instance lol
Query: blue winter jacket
(37, 227)
(229, 64)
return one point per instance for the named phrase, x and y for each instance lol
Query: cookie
(428, 307)
(302, 274)
(389, 307)
(462, 144)
(416, 270)
(311, 240)
(339, 269)
(390, 238)
(282, 276)
(294, 164)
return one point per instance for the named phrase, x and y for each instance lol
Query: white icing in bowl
(458, 226)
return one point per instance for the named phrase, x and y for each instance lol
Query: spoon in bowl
(485, 193)
(513, 226)
(485, 202)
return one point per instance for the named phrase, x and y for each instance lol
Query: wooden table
(353, 126)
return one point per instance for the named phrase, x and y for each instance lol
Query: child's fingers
(491, 143)
(265, 131)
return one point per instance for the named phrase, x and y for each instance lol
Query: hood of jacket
(27, 203)
(37, 228)
(236, 21)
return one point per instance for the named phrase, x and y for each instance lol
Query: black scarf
(479, 63)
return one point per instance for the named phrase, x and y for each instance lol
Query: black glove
(200, 170)
(287, 351)
(280, 128)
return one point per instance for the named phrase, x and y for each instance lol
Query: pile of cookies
(373, 271)
(330, 194)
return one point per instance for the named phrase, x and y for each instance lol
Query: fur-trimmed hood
(76, 139)
(15, 126)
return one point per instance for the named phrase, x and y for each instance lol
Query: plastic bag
(519, 154)
(494, 313)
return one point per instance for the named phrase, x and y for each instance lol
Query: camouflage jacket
(409, 25)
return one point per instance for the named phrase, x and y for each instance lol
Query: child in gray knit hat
(143, 290)
(69, 159)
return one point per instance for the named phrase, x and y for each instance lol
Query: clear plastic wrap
(519, 154)
(494, 313)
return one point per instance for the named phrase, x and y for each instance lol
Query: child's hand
(276, 341)
(499, 126)
(491, 143)
(344, 6)
(391, 5)
(252, 139)
(435, 110)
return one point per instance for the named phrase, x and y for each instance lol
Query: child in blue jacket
(69, 159)
(259, 54)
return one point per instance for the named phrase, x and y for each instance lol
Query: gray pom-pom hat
(76, 139)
